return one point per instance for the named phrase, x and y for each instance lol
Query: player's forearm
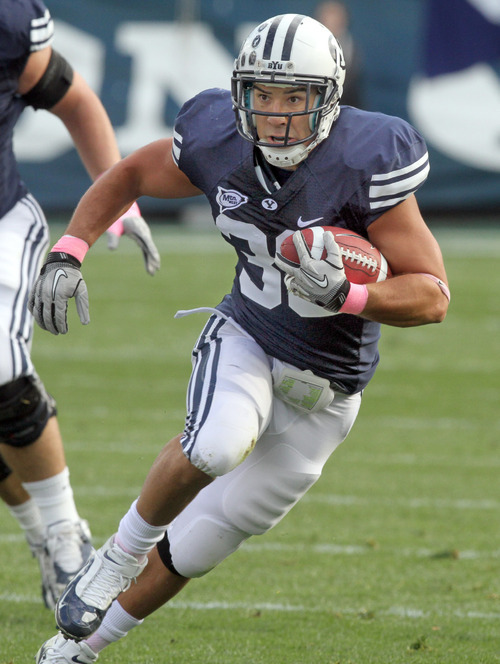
(406, 301)
(106, 200)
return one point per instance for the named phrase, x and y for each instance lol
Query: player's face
(277, 99)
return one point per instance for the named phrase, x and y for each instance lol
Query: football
(363, 263)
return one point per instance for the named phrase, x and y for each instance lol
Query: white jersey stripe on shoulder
(176, 147)
(42, 32)
(42, 20)
(388, 203)
(401, 171)
(176, 153)
(376, 191)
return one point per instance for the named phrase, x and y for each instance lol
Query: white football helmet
(288, 50)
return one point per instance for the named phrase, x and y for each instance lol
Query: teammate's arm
(82, 113)
(86, 120)
(49, 82)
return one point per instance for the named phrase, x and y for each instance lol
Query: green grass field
(392, 557)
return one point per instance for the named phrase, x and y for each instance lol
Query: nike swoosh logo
(59, 273)
(322, 284)
(302, 224)
(76, 658)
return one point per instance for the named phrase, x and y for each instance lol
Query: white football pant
(264, 453)
(24, 239)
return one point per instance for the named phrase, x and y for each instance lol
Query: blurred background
(435, 63)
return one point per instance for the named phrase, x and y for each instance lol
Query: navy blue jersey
(25, 27)
(368, 164)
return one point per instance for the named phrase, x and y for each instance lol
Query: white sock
(135, 535)
(117, 623)
(28, 517)
(54, 498)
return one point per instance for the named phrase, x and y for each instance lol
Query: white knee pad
(198, 545)
(258, 498)
(227, 437)
(258, 493)
(248, 501)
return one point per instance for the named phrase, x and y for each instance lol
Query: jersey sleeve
(391, 161)
(403, 173)
(204, 125)
(41, 27)
(27, 27)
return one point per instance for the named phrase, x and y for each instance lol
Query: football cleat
(59, 650)
(39, 551)
(83, 605)
(69, 547)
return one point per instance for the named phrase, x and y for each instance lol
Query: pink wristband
(117, 226)
(74, 246)
(356, 299)
(133, 211)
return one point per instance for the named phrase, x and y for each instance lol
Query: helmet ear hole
(245, 112)
(248, 96)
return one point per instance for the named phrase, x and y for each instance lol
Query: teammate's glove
(132, 224)
(322, 282)
(60, 278)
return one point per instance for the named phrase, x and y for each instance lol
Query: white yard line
(398, 611)
(256, 546)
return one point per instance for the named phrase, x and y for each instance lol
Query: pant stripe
(201, 387)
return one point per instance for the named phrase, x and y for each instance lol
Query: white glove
(132, 224)
(322, 282)
(60, 279)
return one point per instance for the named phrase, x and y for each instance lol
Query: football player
(284, 358)
(34, 478)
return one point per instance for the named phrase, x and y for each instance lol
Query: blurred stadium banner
(434, 62)
(454, 100)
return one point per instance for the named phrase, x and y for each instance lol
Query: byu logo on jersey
(269, 204)
(229, 199)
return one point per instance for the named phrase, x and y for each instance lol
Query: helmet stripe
(290, 36)
(268, 46)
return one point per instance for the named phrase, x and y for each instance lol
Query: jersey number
(268, 292)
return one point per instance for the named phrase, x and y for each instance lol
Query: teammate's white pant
(233, 415)
(24, 240)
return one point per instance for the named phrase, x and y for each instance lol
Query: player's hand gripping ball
(363, 263)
